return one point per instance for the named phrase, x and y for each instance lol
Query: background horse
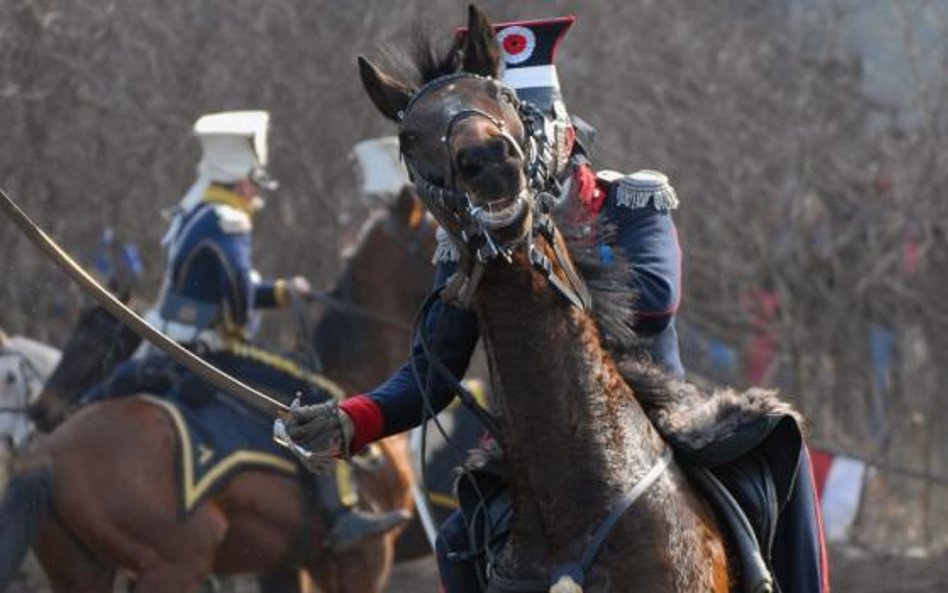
(99, 493)
(575, 437)
(24, 366)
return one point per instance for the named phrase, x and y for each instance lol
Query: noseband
(473, 237)
(537, 169)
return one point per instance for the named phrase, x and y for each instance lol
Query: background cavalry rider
(639, 206)
(210, 292)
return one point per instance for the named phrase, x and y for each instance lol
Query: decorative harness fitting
(466, 228)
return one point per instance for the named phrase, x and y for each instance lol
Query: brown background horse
(99, 493)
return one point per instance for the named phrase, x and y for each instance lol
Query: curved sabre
(198, 366)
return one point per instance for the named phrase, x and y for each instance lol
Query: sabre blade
(243, 392)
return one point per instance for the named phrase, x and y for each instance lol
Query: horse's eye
(406, 139)
(11, 378)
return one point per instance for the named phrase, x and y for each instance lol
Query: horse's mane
(426, 59)
(375, 217)
(609, 283)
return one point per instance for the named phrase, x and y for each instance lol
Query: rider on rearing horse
(210, 292)
(638, 206)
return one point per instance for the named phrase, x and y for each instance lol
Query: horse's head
(482, 160)
(395, 247)
(98, 343)
(360, 338)
(474, 151)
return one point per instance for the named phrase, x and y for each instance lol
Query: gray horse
(24, 366)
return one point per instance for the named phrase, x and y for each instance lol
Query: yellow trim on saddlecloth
(443, 500)
(287, 366)
(347, 494)
(193, 491)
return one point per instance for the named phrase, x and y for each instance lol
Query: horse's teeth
(501, 217)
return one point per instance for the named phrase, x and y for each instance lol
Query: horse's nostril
(470, 162)
(499, 147)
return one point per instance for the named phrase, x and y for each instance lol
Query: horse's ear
(389, 95)
(120, 288)
(124, 295)
(481, 54)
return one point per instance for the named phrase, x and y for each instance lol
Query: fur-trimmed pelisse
(693, 419)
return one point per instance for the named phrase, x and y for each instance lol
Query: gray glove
(319, 435)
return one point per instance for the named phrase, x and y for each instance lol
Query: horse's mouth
(500, 213)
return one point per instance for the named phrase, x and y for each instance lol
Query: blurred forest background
(808, 140)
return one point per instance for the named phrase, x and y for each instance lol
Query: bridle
(469, 225)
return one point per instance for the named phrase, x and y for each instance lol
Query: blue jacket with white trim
(210, 282)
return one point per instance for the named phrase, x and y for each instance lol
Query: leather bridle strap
(327, 299)
(576, 571)
(574, 289)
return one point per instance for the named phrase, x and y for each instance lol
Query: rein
(326, 298)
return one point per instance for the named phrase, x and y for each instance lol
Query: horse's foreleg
(171, 555)
(162, 578)
(364, 569)
(69, 566)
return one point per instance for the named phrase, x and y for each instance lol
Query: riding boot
(347, 525)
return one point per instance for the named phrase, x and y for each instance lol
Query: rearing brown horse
(100, 492)
(576, 438)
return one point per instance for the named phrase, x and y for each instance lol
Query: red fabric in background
(822, 462)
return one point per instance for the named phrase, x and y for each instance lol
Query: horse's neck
(358, 352)
(572, 431)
